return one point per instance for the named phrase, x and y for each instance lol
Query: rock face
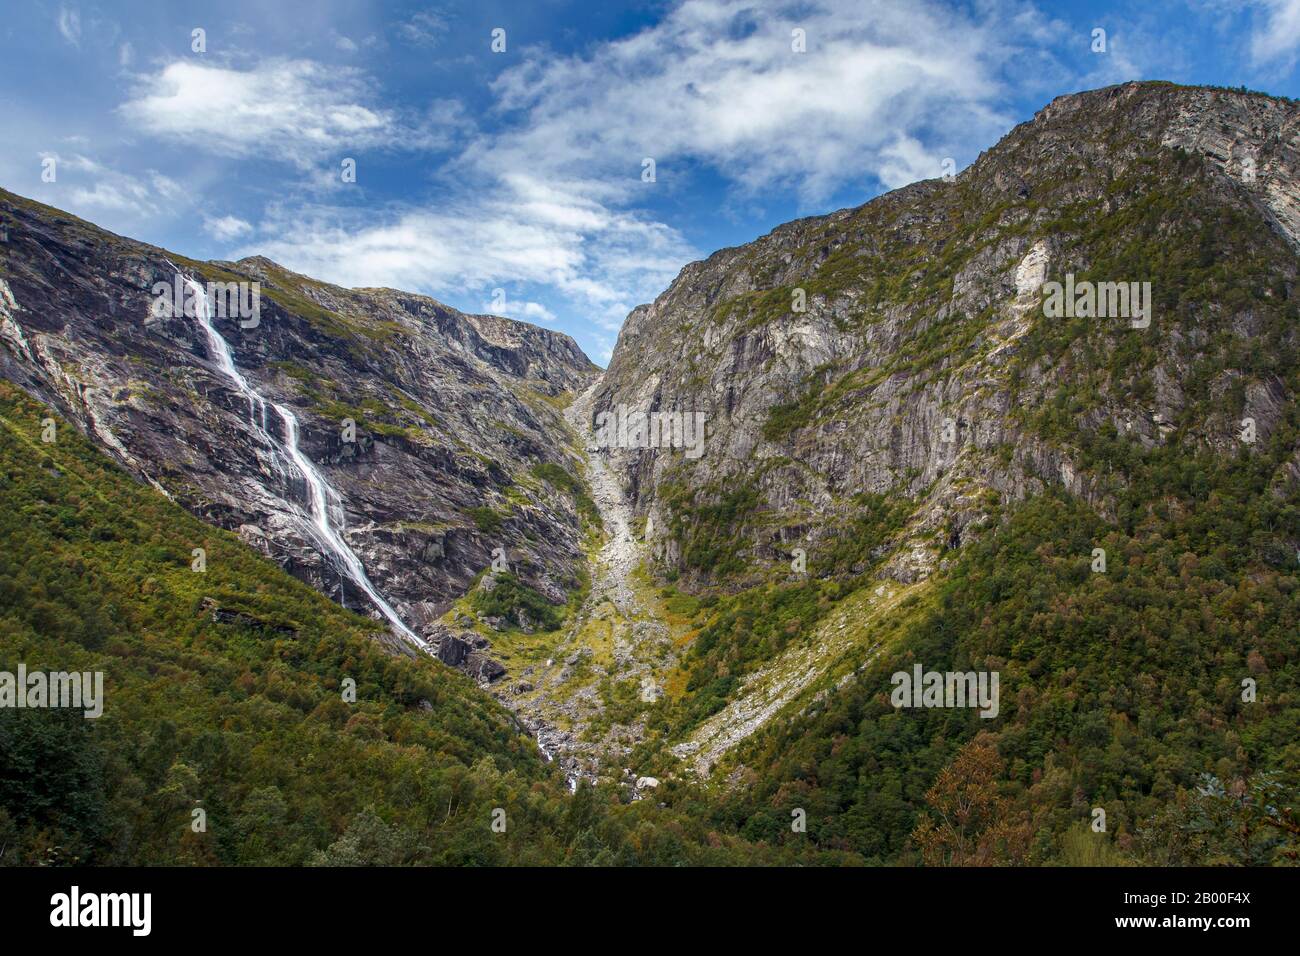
(901, 348)
(873, 385)
(452, 413)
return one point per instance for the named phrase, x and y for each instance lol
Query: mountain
(891, 403)
(246, 718)
(924, 307)
(429, 428)
(1035, 424)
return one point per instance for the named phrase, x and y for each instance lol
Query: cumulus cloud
(296, 110)
(519, 309)
(522, 233)
(718, 82)
(552, 196)
(86, 185)
(226, 228)
(1276, 36)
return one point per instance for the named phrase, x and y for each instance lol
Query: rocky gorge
(881, 388)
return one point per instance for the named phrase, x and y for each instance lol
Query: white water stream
(321, 494)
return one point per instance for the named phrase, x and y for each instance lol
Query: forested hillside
(224, 692)
(911, 461)
(911, 464)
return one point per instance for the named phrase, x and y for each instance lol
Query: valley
(614, 652)
(662, 648)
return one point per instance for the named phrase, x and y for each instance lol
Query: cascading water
(321, 495)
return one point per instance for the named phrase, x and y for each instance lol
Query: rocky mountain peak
(900, 347)
(429, 427)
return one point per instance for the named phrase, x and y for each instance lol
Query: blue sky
(524, 170)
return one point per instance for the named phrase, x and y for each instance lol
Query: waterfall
(320, 493)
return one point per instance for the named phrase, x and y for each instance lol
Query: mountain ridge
(910, 462)
(422, 474)
(922, 398)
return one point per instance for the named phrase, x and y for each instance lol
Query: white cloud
(125, 196)
(717, 82)
(165, 186)
(226, 228)
(905, 161)
(87, 186)
(70, 25)
(601, 260)
(425, 28)
(296, 110)
(516, 309)
(1277, 38)
(550, 199)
